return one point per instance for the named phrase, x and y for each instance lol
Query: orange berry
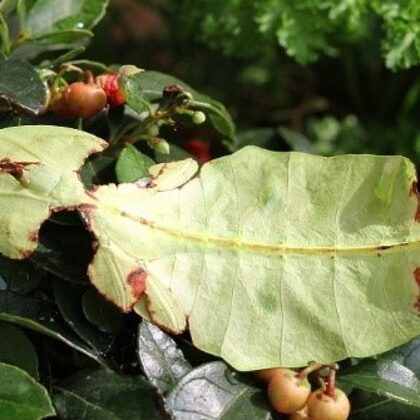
(84, 99)
(288, 392)
(324, 407)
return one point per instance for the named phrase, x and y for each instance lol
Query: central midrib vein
(280, 249)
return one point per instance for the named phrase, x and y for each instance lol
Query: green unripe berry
(153, 130)
(162, 147)
(198, 117)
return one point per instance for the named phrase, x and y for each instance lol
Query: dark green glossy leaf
(43, 16)
(96, 170)
(19, 276)
(46, 27)
(101, 313)
(367, 406)
(213, 391)
(396, 374)
(42, 317)
(132, 165)
(63, 38)
(161, 360)
(21, 398)
(21, 87)
(64, 252)
(102, 394)
(69, 301)
(16, 349)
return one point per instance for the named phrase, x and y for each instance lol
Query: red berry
(109, 83)
(84, 99)
(199, 149)
(288, 392)
(324, 407)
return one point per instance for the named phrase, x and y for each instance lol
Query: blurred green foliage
(305, 29)
(347, 101)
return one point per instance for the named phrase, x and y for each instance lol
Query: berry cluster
(84, 99)
(290, 393)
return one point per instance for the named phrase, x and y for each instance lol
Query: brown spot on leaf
(413, 189)
(15, 169)
(25, 253)
(86, 208)
(416, 274)
(137, 282)
(91, 191)
(58, 209)
(162, 169)
(33, 236)
(414, 192)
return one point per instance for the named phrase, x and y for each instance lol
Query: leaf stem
(330, 390)
(79, 123)
(4, 33)
(308, 370)
(138, 130)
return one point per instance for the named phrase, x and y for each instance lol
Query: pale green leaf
(167, 176)
(274, 258)
(50, 157)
